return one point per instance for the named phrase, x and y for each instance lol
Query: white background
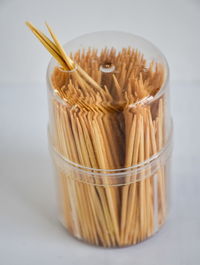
(29, 230)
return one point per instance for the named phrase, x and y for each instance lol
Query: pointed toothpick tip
(47, 25)
(28, 24)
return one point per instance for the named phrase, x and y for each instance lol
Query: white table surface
(29, 231)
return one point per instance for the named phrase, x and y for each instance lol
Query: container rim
(135, 169)
(142, 101)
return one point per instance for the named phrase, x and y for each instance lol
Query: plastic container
(111, 152)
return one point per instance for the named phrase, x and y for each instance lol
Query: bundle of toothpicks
(103, 121)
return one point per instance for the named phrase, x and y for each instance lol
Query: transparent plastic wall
(111, 151)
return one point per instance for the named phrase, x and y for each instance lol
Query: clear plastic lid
(111, 110)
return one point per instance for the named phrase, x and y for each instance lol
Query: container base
(111, 247)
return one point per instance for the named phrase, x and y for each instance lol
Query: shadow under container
(112, 168)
